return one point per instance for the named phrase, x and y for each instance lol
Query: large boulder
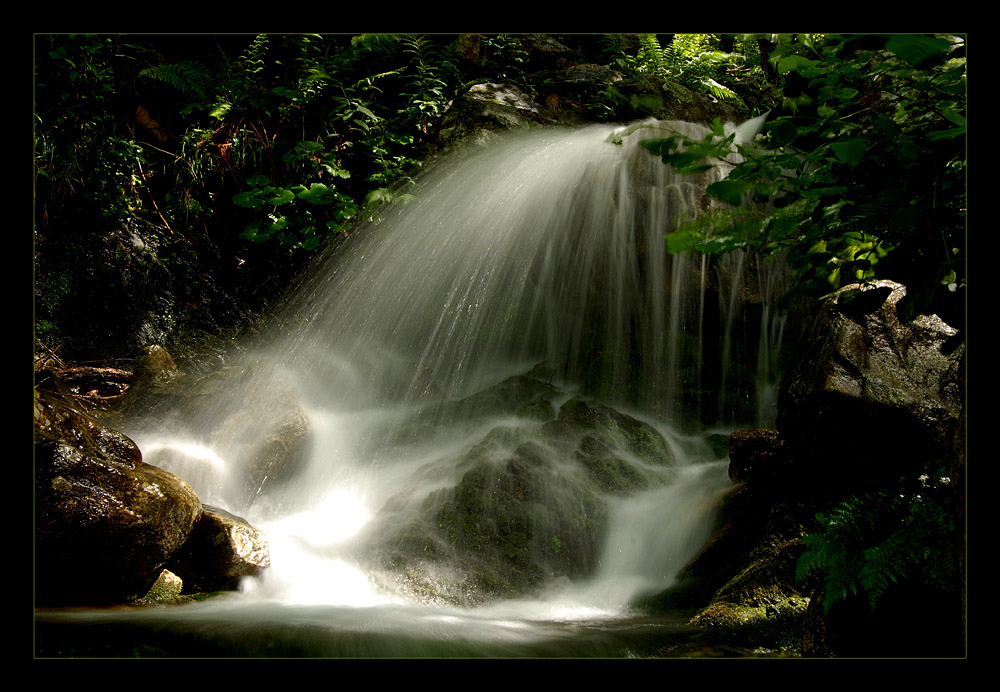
(478, 115)
(870, 394)
(869, 398)
(105, 523)
(108, 524)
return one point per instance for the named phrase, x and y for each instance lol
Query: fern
(253, 59)
(651, 58)
(868, 543)
(689, 60)
(189, 77)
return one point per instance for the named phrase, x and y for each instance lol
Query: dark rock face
(869, 390)
(484, 110)
(757, 453)
(105, 522)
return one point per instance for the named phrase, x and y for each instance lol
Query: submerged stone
(529, 503)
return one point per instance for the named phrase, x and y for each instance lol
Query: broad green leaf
(721, 244)
(792, 63)
(946, 134)
(850, 152)
(248, 199)
(283, 197)
(730, 191)
(256, 232)
(917, 49)
(279, 223)
(362, 109)
(953, 116)
(681, 240)
(660, 146)
(318, 193)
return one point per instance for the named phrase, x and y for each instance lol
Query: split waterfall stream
(516, 403)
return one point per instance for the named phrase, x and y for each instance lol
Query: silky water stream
(510, 391)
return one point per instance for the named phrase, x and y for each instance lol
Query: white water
(547, 247)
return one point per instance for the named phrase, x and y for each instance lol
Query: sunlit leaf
(283, 197)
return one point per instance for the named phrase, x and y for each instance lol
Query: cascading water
(507, 386)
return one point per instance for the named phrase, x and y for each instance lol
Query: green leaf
(659, 146)
(793, 63)
(248, 199)
(318, 193)
(681, 240)
(256, 232)
(850, 152)
(730, 191)
(946, 134)
(954, 117)
(284, 196)
(918, 49)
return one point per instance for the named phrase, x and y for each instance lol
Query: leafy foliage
(868, 543)
(79, 149)
(725, 66)
(860, 173)
(229, 146)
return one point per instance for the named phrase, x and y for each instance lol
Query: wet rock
(269, 449)
(526, 504)
(603, 425)
(166, 589)
(477, 116)
(870, 393)
(504, 530)
(221, 549)
(105, 522)
(870, 398)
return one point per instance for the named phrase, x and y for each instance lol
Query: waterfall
(508, 384)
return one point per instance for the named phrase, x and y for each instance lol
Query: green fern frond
(253, 58)
(869, 543)
(651, 57)
(718, 90)
(187, 76)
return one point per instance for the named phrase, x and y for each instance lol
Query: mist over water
(542, 259)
